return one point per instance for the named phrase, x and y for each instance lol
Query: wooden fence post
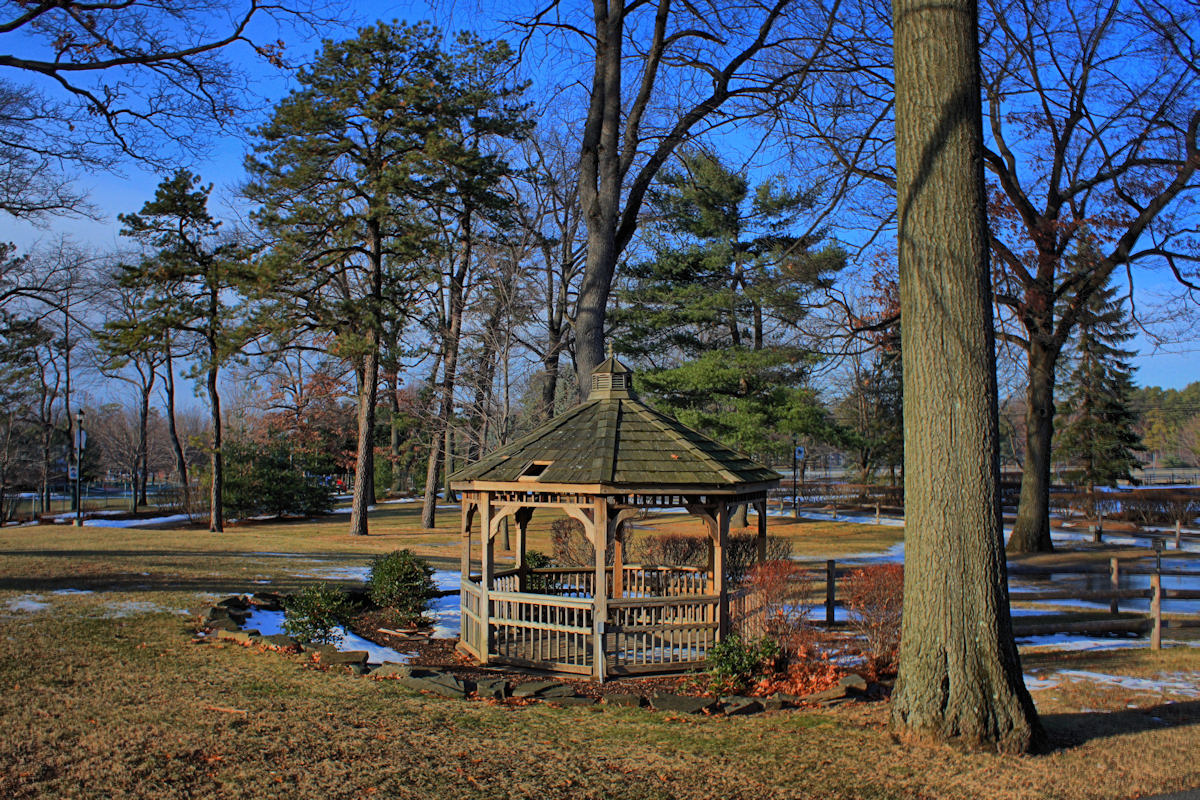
(830, 590)
(1156, 611)
(1178, 532)
(877, 513)
(1114, 580)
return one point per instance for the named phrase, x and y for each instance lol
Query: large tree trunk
(365, 453)
(143, 448)
(1031, 533)
(394, 434)
(960, 675)
(216, 522)
(181, 466)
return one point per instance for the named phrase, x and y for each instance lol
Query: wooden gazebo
(603, 463)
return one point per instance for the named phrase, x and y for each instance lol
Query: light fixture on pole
(80, 438)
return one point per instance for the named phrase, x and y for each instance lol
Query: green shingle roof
(614, 439)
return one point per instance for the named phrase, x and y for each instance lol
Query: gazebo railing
(543, 631)
(660, 634)
(663, 621)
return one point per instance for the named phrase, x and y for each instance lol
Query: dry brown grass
(99, 705)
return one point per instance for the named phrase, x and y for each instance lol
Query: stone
(832, 693)
(359, 669)
(223, 625)
(493, 688)
(543, 690)
(347, 657)
(234, 602)
(853, 684)
(392, 670)
(626, 700)
(735, 706)
(680, 704)
(774, 703)
(320, 650)
(443, 685)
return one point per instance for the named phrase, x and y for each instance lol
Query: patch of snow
(125, 523)
(338, 574)
(29, 603)
(1034, 683)
(72, 591)
(271, 622)
(1186, 684)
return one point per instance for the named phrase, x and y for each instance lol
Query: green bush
(540, 584)
(401, 581)
(314, 613)
(270, 479)
(733, 662)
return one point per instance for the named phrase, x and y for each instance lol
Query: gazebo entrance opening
(607, 619)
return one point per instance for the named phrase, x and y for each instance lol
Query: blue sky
(1163, 365)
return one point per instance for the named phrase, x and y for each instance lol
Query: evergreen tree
(1099, 438)
(715, 311)
(352, 171)
(191, 283)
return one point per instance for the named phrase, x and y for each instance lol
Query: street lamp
(80, 438)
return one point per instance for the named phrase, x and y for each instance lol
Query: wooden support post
(618, 590)
(486, 575)
(1156, 611)
(600, 597)
(1114, 581)
(1096, 533)
(468, 511)
(830, 590)
(1099, 525)
(1178, 533)
(719, 551)
(762, 531)
(522, 517)
(877, 519)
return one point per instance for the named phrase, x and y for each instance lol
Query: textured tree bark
(1031, 532)
(960, 676)
(365, 453)
(181, 466)
(216, 522)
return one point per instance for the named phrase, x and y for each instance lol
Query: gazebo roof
(615, 440)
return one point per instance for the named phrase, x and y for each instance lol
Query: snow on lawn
(101, 522)
(28, 603)
(271, 622)
(1186, 684)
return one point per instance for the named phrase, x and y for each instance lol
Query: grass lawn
(105, 695)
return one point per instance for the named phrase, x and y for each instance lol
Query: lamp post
(80, 438)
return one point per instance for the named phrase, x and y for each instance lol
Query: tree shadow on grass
(1072, 730)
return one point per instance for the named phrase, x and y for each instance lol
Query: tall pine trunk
(365, 453)
(181, 467)
(368, 388)
(216, 522)
(1031, 532)
(960, 675)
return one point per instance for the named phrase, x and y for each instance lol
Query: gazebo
(603, 463)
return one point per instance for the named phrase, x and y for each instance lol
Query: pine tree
(1099, 437)
(715, 311)
(190, 283)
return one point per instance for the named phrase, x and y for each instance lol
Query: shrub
(742, 554)
(782, 592)
(571, 545)
(671, 550)
(542, 584)
(874, 597)
(270, 479)
(315, 612)
(734, 662)
(402, 581)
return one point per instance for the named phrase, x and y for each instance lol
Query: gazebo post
(719, 548)
(486, 573)
(522, 516)
(600, 594)
(468, 511)
(761, 509)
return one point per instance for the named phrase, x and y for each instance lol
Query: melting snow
(271, 622)
(1181, 683)
(27, 602)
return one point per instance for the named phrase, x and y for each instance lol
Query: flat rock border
(224, 620)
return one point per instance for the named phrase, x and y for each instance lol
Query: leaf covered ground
(104, 694)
